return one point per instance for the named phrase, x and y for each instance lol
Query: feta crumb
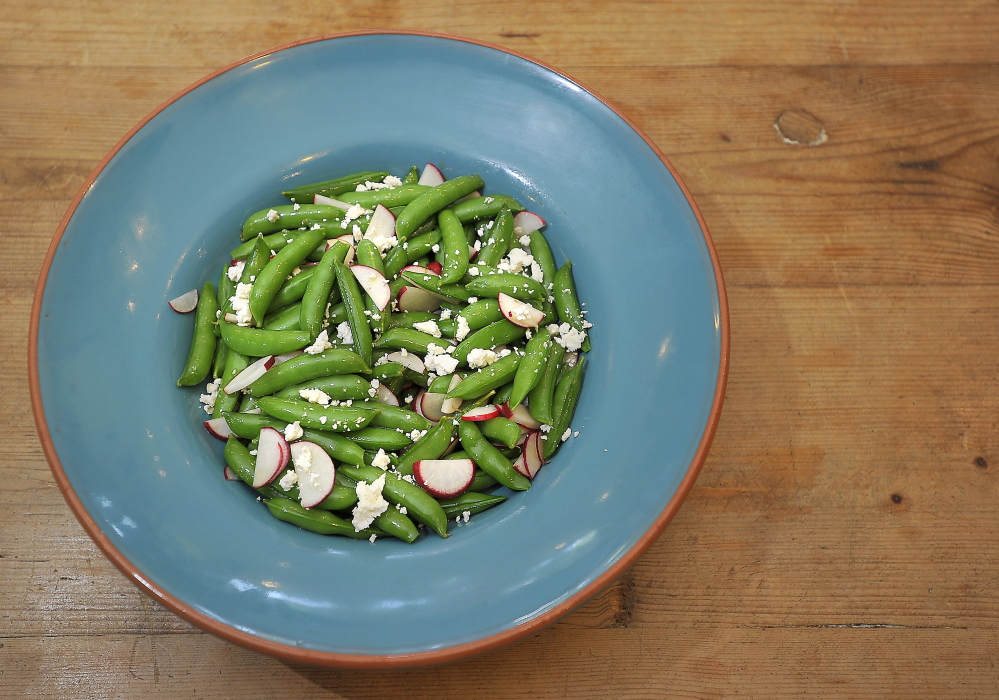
(273, 216)
(462, 330)
(381, 460)
(296, 206)
(289, 479)
(391, 181)
(435, 247)
(409, 399)
(465, 515)
(370, 503)
(445, 314)
(516, 261)
(322, 343)
(525, 240)
(472, 300)
(488, 200)
(293, 431)
(429, 327)
(315, 395)
(240, 302)
(236, 271)
(401, 508)
(416, 434)
(576, 434)
(372, 538)
(409, 478)
(344, 334)
(568, 337)
(209, 398)
(473, 272)
(536, 273)
(480, 357)
(567, 434)
(437, 360)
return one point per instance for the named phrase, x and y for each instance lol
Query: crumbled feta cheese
(429, 327)
(401, 508)
(569, 338)
(315, 395)
(372, 538)
(480, 357)
(373, 391)
(465, 515)
(437, 360)
(409, 399)
(488, 200)
(516, 261)
(462, 330)
(290, 478)
(576, 434)
(355, 211)
(370, 503)
(240, 302)
(273, 216)
(525, 240)
(536, 273)
(523, 312)
(236, 271)
(445, 314)
(322, 343)
(435, 247)
(293, 431)
(472, 300)
(209, 398)
(473, 271)
(344, 334)
(567, 434)
(416, 434)
(391, 181)
(381, 460)
(296, 206)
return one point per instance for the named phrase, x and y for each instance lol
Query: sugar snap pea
(360, 331)
(319, 521)
(418, 503)
(470, 502)
(333, 188)
(202, 352)
(489, 459)
(288, 216)
(432, 201)
(276, 271)
(305, 367)
(454, 247)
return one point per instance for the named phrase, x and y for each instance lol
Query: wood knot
(981, 463)
(796, 127)
(896, 498)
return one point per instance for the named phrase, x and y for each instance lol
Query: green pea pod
(218, 360)
(482, 313)
(393, 522)
(273, 241)
(333, 188)
(418, 503)
(319, 521)
(531, 367)
(481, 480)
(432, 445)
(260, 342)
(234, 364)
(292, 290)
(399, 418)
(509, 283)
(288, 216)
(488, 378)
(317, 293)
(305, 367)
(432, 201)
(225, 289)
(202, 352)
(503, 393)
(243, 464)
(470, 502)
(287, 319)
(484, 207)
(432, 283)
(380, 438)
(391, 197)
(339, 387)
(412, 176)
(354, 301)
(454, 247)
(385, 372)
(248, 425)
(395, 260)
(276, 271)
(501, 430)
(410, 339)
(366, 253)
(420, 245)
(489, 459)
(542, 254)
(309, 415)
(496, 333)
(540, 397)
(566, 301)
(406, 319)
(340, 498)
(499, 240)
(564, 405)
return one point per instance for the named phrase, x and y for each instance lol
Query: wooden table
(843, 538)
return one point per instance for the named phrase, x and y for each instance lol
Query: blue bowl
(158, 217)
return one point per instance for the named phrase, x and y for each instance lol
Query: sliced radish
(329, 201)
(482, 413)
(520, 415)
(349, 240)
(449, 406)
(218, 428)
(450, 448)
(518, 312)
(374, 283)
(249, 375)
(386, 396)
(419, 269)
(472, 195)
(417, 299)
(284, 357)
(570, 359)
(530, 460)
(472, 253)
(408, 360)
(444, 478)
(381, 228)
(418, 403)
(315, 470)
(185, 303)
(430, 176)
(431, 405)
(272, 456)
(527, 222)
(229, 474)
(435, 267)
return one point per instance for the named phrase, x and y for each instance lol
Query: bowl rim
(367, 661)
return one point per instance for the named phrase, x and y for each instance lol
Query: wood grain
(843, 538)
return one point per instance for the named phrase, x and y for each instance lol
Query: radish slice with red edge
(532, 453)
(349, 240)
(185, 303)
(449, 406)
(435, 267)
(416, 299)
(518, 312)
(482, 413)
(570, 359)
(374, 283)
(521, 415)
(382, 225)
(430, 176)
(527, 222)
(418, 404)
(272, 456)
(316, 473)
(430, 405)
(444, 478)
(419, 269)
(407, 360)
(385, 395)
(229, 474)
(329, 201)
(218, 428)
(252, 373)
